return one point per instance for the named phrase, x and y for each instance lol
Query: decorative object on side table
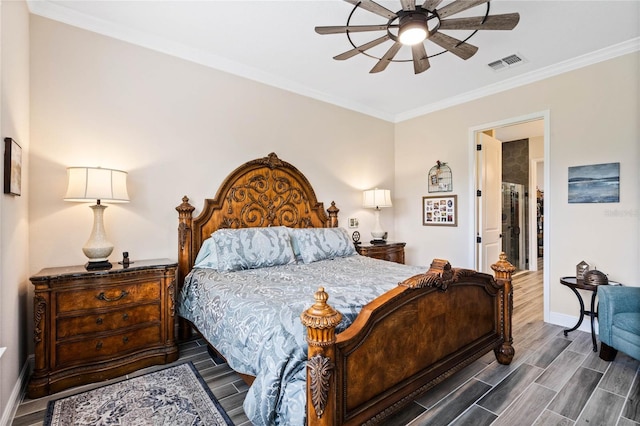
(581, 268)
(595, 277)
(440, 178)
(377, 199)
(12, 167)
(94, 325)
(440, 210)
(95, 183)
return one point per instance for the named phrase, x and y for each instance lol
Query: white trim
(68, 16)
(569, 321)
(541, 115)
(607, 53)
(17, 393)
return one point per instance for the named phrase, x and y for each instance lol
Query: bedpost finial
(321, 314)
(503, 268)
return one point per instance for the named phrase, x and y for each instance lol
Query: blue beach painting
(596, 183)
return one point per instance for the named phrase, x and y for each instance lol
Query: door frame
(473, 207)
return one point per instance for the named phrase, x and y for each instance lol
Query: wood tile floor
(553, 380)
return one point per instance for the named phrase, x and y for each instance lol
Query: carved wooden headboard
(262, 192)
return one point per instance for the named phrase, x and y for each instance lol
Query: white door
(489, 201)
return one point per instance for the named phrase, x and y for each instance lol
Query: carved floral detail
(267, 199)
(172, 297)
(39, 311)
(320, 371)
(440, 275)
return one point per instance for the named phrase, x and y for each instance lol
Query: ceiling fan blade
(350, 28)
(386, 59)
(408, 4)
(453, 45)
(458, 6)
(353, 52)
(420, 59)
(508, 21)
(431, 4)
(373, 7)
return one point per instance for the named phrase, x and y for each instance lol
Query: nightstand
(391, 251)
(94, 325)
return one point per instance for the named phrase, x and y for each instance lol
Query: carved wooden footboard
(404, 342)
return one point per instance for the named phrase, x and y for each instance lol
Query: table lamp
(377, 199)
(94, 183)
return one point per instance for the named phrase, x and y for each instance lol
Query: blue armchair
(619, 321)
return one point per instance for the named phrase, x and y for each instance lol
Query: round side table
(574, 285)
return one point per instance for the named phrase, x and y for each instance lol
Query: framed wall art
(440, 178)
(596, 183)
(440, 210)
(12, 167)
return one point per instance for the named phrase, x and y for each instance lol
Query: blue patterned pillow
(322, 243)
(207, 256)
(250, 248)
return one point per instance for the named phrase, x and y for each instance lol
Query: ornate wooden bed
(401, 344)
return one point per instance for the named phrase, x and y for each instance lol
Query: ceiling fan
(416, 23)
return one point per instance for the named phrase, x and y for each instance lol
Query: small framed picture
(12, 167)
(440, 210)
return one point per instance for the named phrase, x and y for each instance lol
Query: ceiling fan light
(413, 29)
(413, 36)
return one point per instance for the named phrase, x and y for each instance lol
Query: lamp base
(98, 266)
(377, 241)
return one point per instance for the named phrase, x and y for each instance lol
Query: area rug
(173, 396)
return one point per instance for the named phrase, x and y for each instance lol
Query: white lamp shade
(376, 198)
(95, 183)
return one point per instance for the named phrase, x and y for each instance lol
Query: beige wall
(180, 128)
(593, 119)
(14, 123)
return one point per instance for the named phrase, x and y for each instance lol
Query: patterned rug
(173, 396)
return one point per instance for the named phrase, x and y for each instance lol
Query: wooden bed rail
(345, 373)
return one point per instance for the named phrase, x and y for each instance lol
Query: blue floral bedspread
(252, 317)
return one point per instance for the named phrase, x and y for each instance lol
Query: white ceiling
(274, 42)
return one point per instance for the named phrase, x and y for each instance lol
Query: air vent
(507, 62)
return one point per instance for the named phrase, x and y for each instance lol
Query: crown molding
(620, 49)
(59, 13)
(68, 16)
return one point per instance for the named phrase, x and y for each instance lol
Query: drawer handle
(99, 320)
(125, 316)
(98, 346)
(102, 296)
(125, 339)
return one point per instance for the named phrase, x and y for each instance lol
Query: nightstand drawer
(70, 353)
(108, 296)
(392, 252)
(113, 320)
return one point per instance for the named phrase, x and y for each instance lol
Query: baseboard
(17, 393)
(569, 321)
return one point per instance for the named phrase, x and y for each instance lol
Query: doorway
(514, 228)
